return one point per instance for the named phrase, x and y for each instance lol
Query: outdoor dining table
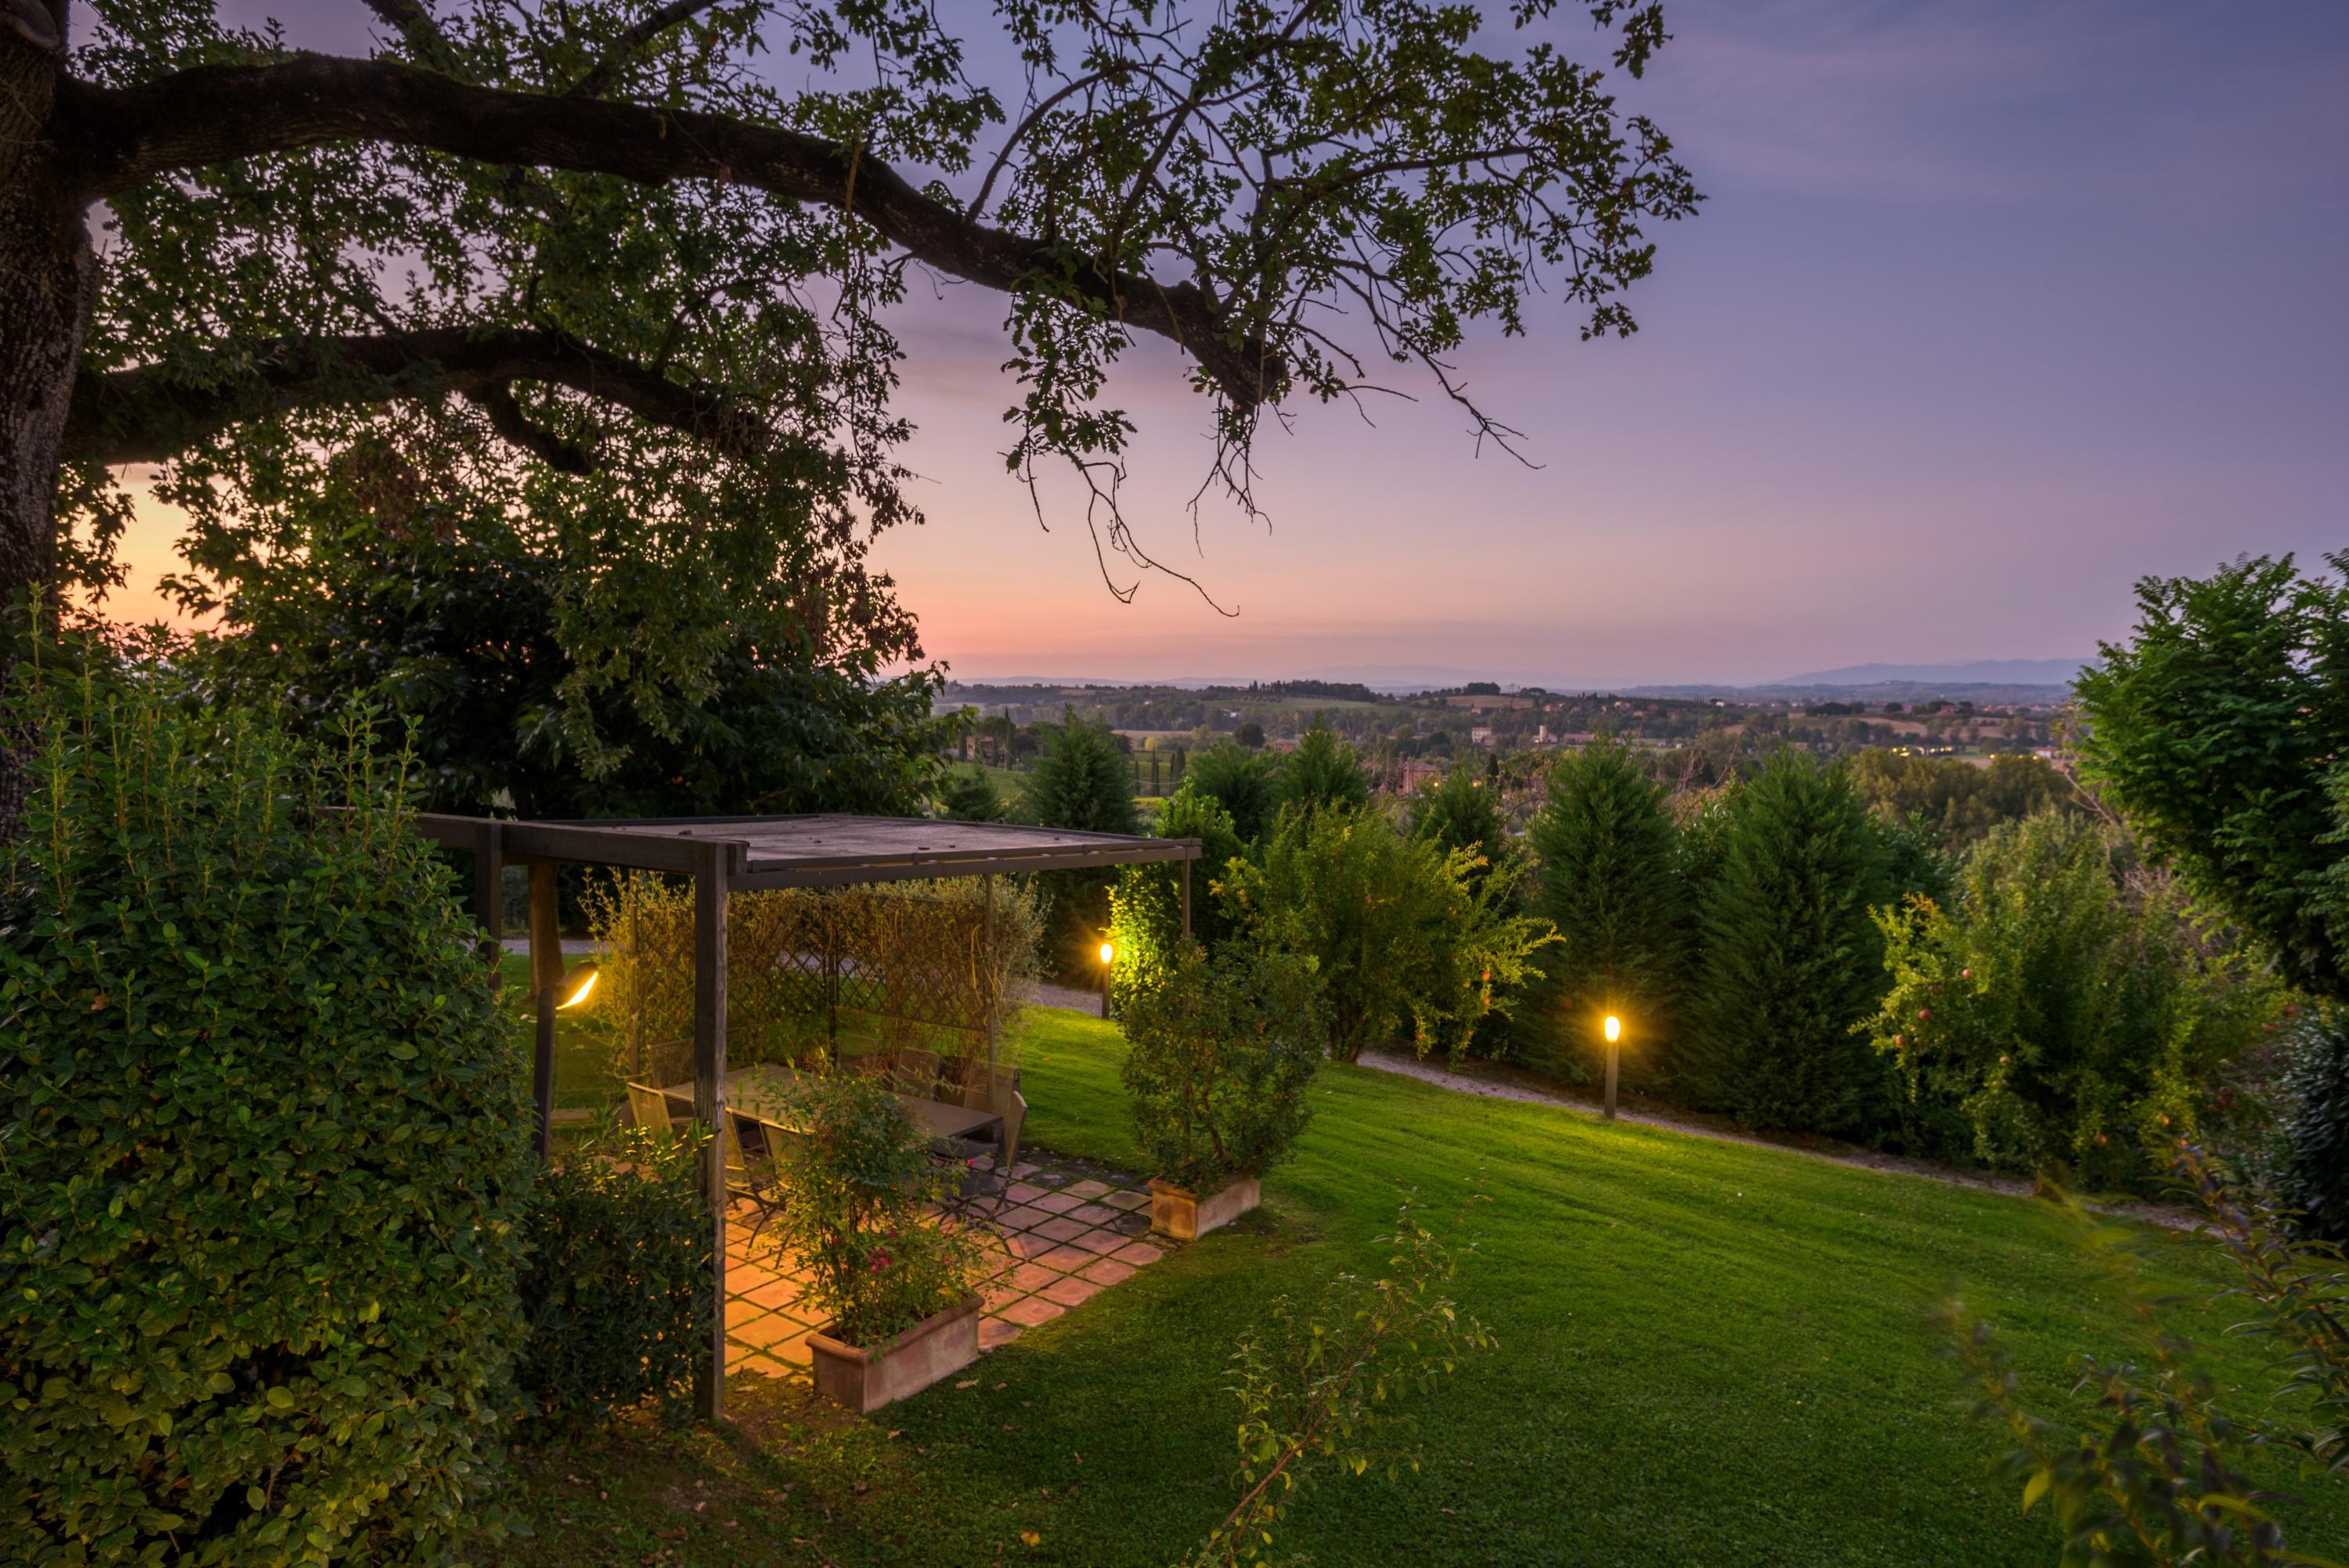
(759, 1092)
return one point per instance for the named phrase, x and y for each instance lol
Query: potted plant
(1222, 1051)
(897, 1286)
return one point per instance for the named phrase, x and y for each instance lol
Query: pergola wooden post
(726, 855)
(710, 1100)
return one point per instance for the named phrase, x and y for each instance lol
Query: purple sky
(1993, 309)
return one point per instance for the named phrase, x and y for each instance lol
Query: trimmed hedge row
(266, 1155)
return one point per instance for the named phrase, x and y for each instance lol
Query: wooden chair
(917, 1074)
(649, 1109)
(754, 1181)
(985, 1181)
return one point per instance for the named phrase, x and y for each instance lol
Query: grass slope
(1709, 1354)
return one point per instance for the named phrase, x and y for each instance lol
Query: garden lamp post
(1614, 1031)
(1108, 958)
(568, 992)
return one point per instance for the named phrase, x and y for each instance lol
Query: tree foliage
(614, 247)
(1407, 946)
(267, 1152)
(1792, 959)
(464, 642)
(1246, 784)
(1324, 771)
(1612, 883)
(1954, 800)
(2075, 1020)
(1146, 903)
(2219, 730)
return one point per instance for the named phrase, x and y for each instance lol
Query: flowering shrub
(856, 1178)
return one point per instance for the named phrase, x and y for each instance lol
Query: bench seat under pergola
(725, 855)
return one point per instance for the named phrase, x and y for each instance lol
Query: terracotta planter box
(864, 1380)
(1186, 1216)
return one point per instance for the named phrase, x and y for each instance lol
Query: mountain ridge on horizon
(1401, 678)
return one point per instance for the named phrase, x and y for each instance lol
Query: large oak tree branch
(121, 137)
(144, 414)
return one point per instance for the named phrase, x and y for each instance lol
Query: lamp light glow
(1614, 1028)
(577, 984)
(1108, 951)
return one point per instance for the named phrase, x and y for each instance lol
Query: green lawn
(1709, 1355)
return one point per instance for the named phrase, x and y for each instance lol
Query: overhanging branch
(148, 415)
(120, 137)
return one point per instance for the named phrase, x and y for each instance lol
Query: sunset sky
(1992, 309)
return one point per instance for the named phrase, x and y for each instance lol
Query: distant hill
(1975, 672)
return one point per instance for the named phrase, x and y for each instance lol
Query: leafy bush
(1323, 1382)
(1612, 882)
(1221, 1053)
(1145, 907)
(1792, 959)
(617, 1290)
(2070, 1020)
(2314, 1180)
(2160, 1478)
(267, 1152)
(1405, 942)
(856, 1178)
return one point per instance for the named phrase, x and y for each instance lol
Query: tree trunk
(48, 279)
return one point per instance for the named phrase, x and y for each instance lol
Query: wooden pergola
(725, 855)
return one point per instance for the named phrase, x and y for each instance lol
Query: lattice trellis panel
(814, 975)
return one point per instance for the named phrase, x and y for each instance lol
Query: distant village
(1410, 737)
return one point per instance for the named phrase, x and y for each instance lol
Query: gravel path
(1498, 1088)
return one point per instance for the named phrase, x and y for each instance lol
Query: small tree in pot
(1221, 1054)
(897, 1288)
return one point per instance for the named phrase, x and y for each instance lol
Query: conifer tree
(1792, 959)
(1324, 771)
(1610, 881)
(1083, 781)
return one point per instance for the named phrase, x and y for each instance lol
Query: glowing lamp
(577, 982)
(1108, 951)
(1614, 1028)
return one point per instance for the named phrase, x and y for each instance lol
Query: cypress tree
(1792, 959)
(1611, 884)
(1323, 771)
(1082, 781)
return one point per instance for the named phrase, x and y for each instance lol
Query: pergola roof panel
(826, 849)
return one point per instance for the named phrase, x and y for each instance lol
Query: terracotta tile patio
(1066, 1233)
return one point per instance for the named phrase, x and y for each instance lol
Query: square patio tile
(1066, 1260)
(1138, 1253)
(1030, 1276)
(1098, 1241)
(1024, 1191)
(1095, 1213)
(1059, 1202)
(1022, 1217)
(994, 1333)
(1106, 1272)
(1128, 1200)
(1089, 1189)
(1070, 1292)
(1029, 1311)
(1061, 1229)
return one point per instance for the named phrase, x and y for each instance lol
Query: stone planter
(1186, 1216)
(864, 1380)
